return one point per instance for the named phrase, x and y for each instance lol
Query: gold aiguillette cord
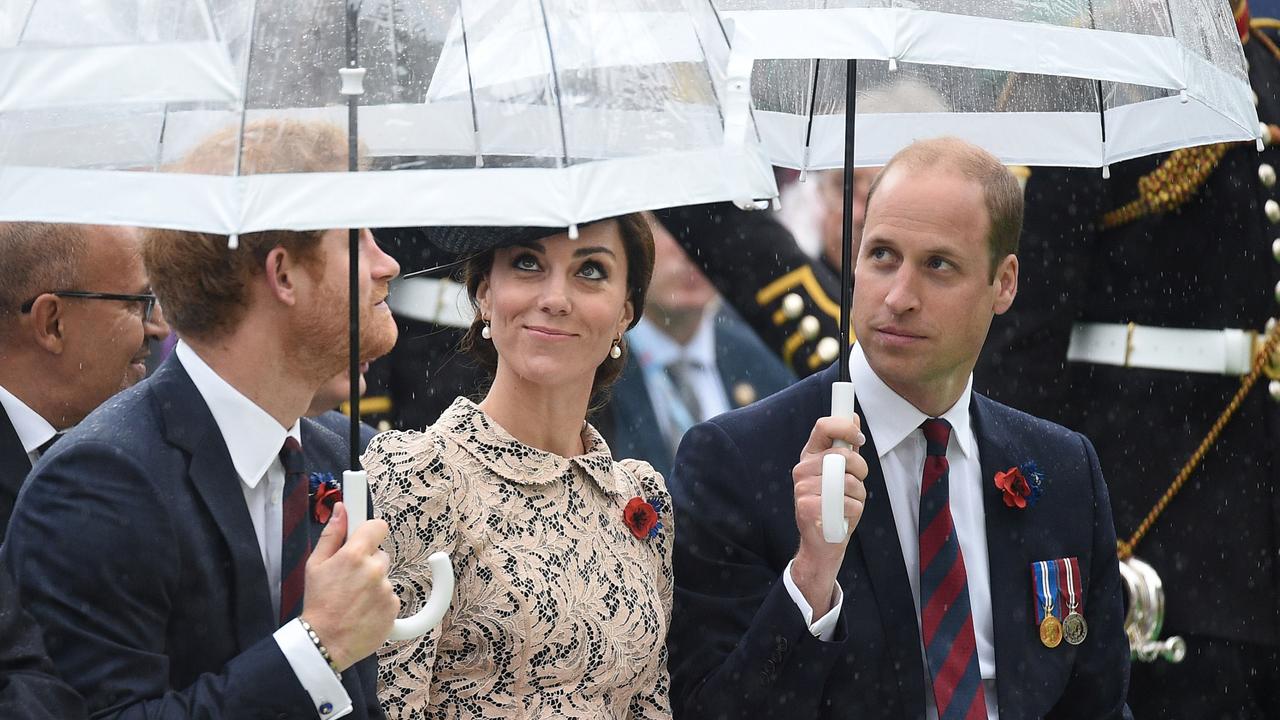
(1124, 548)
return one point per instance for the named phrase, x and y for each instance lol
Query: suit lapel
(886, 568)
(1009, 574)
(189, 425)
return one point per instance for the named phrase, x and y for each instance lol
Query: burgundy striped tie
(295, 538)
(946, 621)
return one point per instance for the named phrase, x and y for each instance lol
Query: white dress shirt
(254, 440)
(900, 446)
(655, 350)
(32, 429)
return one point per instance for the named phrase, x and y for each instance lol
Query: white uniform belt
(1222, 352)
(439, 301)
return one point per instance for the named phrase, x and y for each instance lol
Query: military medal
(1074, 628)
(1045, 576)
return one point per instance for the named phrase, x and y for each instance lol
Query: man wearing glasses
(76, 315)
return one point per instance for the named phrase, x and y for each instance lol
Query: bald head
(36, 258)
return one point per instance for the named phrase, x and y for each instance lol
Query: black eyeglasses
(147, 300)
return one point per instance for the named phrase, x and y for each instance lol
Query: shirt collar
(32, 429)
(892, 419)
(253, 437)
(656, 348)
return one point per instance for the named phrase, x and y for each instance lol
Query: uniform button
(1272, 209)
(1274, 389)
(744, 393)
(828, 348)
(810, 327)
(1271, 325)
(792, 305)
(1267, 175)
(1278, 292)
(1275, 249)
(1264, 132)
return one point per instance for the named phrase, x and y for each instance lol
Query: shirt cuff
(330, 699)
(824, 628)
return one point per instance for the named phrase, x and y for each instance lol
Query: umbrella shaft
(846, 229)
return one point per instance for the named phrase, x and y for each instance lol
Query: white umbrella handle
(835, 526)
(355, 494)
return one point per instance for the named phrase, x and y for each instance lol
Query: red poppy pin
(1021, 485)
(641, 517)
(325, 493)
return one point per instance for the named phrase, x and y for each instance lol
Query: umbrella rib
(471, 87)
(813, 98)
(244, 100)
(555, 83)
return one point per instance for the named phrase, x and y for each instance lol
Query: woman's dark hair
(637, 244)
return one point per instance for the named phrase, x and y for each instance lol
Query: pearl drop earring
(485, 332)
(615, 352)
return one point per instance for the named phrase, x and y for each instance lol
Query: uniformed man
(1142, 304)
(790, 299)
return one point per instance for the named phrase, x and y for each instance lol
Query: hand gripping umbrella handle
(355, 494)
(835, 526)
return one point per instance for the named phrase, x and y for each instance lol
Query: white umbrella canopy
(474, 112)
(1105, 80)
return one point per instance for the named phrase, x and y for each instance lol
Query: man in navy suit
(930, 608)
(77, 318)
(165, 544)
(689, 360)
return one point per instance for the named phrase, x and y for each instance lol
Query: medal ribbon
(1075, 594)
(1045, 574)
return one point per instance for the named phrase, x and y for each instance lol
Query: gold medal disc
(1074, 628)
(1050, 631)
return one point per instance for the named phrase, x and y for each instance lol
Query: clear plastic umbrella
(1035, 82)
(532, 112)
(1107, 80)
(454, 112)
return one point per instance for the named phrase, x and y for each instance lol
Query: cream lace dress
(559, 610)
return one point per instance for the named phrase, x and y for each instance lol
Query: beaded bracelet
(324, 652)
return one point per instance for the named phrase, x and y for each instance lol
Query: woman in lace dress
(563, 600)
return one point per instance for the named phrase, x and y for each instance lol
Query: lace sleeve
(653, 702)
(413, 491)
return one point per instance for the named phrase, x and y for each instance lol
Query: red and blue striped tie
(946, 621)
(295, 537)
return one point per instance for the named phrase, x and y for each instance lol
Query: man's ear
(1006, 283)
(46, 323)
(282, 273)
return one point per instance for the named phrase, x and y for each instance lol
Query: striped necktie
(295, 538)
(946, 620)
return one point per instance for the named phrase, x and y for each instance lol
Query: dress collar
(495, 449)
(892, 419)
(253, 437)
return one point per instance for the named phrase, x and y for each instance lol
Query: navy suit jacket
(132, 545)
(29, 690)
(631, 428)
(14, 466)
(739, 646)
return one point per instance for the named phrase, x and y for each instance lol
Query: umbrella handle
(355, 491)
(835, 526)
